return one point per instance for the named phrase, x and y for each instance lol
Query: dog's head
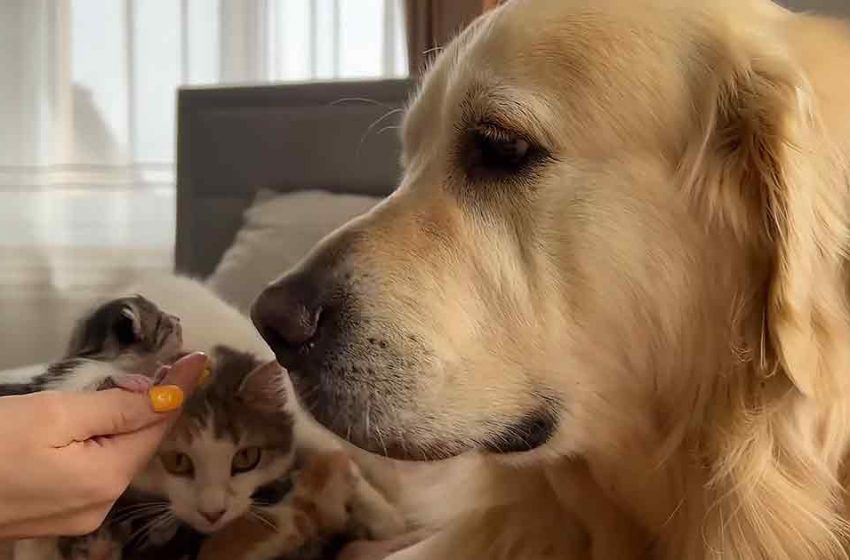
(598, 197)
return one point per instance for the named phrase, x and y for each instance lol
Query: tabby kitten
(231, 446)
(230, 451)
(121, 343)
(232, 458)
(323, 510)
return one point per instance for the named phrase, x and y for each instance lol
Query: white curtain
(87, 125)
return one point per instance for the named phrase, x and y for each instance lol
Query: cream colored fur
(676, 276)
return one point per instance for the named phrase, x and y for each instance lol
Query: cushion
(277, 230)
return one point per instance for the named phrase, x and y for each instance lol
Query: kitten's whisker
(140, 511)
(159, 522)
(140, 505)
(141, 531)
(264, 503)
(133, 517)
(262, 518)
(135, 507)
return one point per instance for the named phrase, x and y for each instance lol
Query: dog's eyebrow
(509, 108)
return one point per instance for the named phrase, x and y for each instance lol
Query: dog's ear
(762, 165)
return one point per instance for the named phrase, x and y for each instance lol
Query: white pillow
(277, 230)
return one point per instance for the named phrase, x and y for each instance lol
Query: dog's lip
(524, 435)
(389, 446)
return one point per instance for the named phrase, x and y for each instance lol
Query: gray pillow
(277, 230)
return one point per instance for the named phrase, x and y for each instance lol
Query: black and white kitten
(121, 343)
(231, 450)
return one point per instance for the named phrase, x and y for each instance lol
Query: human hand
(66, 457)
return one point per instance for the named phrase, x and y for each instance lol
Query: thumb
(132, 450)
(115, 411)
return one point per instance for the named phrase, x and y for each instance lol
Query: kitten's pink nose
(212, 516)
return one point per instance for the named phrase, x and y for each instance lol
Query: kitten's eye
(246, 459)
(494, 152)
(177, 463)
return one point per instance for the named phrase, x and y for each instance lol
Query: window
(87, 126)
(98, 95)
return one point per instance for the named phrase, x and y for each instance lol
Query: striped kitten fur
(230, 452)
(232, 458)
(324, 508)
(121, 343)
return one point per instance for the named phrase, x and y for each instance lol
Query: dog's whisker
(375, 123)
(395, 426)
(381, 440)
(342, 100)
(386, 128)
(366, 417)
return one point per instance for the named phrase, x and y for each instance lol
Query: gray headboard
(335, 136)
(825, 7)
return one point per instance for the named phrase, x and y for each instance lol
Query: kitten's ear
(94, 333)
(128, 326)
(264, 388)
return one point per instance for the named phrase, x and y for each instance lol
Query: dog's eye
(493, 152)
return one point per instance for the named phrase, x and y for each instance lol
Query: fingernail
(203, 355)
(165, 398)
(205, 374)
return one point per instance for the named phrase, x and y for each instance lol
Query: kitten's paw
(386, 522)
(132, 382)
(399, 548)
(371, 510)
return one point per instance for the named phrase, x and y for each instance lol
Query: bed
(337, 137)
(233, 142)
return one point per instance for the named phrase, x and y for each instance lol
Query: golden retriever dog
(612, 285)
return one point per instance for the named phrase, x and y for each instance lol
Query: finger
(132, 450)
(84, 416)
(130, 453)
(187, 372)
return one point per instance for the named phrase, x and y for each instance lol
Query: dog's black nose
(287, 315)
